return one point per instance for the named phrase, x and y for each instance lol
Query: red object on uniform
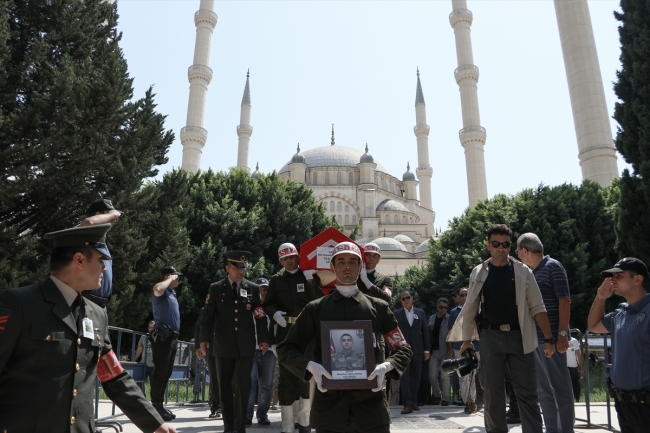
(317, 252)
(108, 367)
(258, 312)
(395, 339)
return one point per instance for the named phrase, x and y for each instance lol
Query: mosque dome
(330, 156)
(408, 175)
(403, 238)
(298, 157)
(366, 157)
(256, 173)
(392, 205)
(389, 244)
(424, 246)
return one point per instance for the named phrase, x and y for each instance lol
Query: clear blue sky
(353, 63)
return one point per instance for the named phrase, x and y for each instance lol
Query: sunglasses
(441, 307)
(497, 244)
(406, 298)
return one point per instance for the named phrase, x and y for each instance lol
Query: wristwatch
(549, 340)
(562, 333)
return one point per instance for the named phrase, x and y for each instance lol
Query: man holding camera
(503, 302)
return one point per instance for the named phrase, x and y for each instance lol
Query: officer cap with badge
(93, 236)
(238, 258)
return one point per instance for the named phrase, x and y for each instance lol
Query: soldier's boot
(286, 412)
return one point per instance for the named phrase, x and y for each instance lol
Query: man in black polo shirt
(504, 291)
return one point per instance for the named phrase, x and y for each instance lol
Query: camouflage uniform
(352, 361)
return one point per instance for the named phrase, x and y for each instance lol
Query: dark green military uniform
(47, 371)
(378, 281)
(230, 318)
(331, 410)
(289, 293)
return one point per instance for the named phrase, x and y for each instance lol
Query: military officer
(371, 282)
(348, 359)
(346, 410)
(230, 307)
(53, 343)
(288, 293)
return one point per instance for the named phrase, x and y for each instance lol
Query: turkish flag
(332, 348)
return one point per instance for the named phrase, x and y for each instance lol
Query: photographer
(503, 298)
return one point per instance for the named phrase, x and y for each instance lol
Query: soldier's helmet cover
(287, 249)
(346, 247)
(372, 247)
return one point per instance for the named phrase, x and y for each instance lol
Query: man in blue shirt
(630, 330)
(553, 379)
(167, 316)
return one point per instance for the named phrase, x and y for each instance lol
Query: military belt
(290, 319)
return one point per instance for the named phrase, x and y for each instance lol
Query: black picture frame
(348, 377)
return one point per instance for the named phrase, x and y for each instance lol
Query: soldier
(288, 293)
(371, 282)
(53, 343)
(230, 306)
(346, 410)
(348, 359)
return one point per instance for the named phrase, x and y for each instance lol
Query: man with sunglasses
(437, 328)
(504, 300)
(630, 328)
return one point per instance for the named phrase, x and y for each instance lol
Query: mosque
(396, 212)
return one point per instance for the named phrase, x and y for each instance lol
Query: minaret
(590, 116)
(421, 130)
(472, 136)
(244, 130)
(332, 143)
(193, 135)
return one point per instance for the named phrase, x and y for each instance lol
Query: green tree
(632, 113)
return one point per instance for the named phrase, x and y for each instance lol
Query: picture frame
(348, 354)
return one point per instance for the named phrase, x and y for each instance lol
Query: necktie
(234, 289)
(77, 313)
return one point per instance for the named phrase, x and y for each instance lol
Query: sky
(353, 64)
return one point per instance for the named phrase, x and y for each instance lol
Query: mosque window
(387, 219)
(339, 218)
(347, 219)
(327, 178)
(332, 206)
(404, 220)
(315, 180)
(383, 183)
(339, 180)
(412, 249)
(411, 220)
(339, 207)
(354, 219)
(347, 208)
(350, 178)
(396, 219)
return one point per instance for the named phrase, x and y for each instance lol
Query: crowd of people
(255, 334)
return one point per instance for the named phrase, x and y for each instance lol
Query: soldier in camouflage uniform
(348, 359)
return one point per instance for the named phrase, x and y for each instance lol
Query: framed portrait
(348, 354)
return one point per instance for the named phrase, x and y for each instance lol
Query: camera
(463, 365)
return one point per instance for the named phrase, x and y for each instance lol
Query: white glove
(279, 319)
(379, 372)
(274, 349)
(387, 290)
(319, 371)
(309, 274)
(364, 278)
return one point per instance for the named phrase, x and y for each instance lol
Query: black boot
(164, 414)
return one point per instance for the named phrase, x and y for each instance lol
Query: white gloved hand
(279, 318)
(379, 372)
(309, 274)
(274, 349)
(318, 371)
(364, 277)
(387, 290)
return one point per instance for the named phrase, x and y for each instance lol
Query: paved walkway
(192, 418)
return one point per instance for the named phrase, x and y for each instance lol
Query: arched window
(412, 249)
(347, 219)
(411, 220)
(339, 180)
(327, 178)
(354, 220)
(383, 183)
(339, 218)
(350, 178)
(387, 219)
(404, 220)
(315, 180)
(339, 207)
(331, 206)
(347, 208)
(396, 219)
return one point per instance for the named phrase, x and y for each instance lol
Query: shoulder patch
(5, 313)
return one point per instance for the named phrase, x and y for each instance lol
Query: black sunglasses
(406, 298)
(442, 307)
(497, 244)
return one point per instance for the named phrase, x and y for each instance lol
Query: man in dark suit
(230, 307)
(413, 324)
(53, 343)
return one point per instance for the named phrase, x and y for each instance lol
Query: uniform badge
(87, 326)
(207, 298)
(301, 288)
(639, 318)
(243, 293)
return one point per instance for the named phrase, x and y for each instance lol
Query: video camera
(463, 366)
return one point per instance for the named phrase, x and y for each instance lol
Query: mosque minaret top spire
(244, 130)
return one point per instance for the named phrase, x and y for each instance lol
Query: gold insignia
(242, 258)
(207, 298)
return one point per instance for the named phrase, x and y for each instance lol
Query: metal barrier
(138, 370)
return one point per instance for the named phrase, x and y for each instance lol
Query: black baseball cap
(627, 264)
(169, 270)
(262, 282)
(100, 205)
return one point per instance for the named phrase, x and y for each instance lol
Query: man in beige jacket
(503, 298)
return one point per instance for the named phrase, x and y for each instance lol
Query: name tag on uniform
(243, 293)
(87, 326)
(301, 288)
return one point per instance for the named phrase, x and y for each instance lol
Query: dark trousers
(409, 384)
(512, 397)
(214, 382)
(633, 417)
(234, 376)
(290, 387)
(574, 372)
(501, 350)
(164, 353)
(352, 427)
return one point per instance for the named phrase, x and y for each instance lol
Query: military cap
(169, 270)
(346, 247)
(100, 205)
(94, 236)
(372, 247)
(238, 258)
(627, 264)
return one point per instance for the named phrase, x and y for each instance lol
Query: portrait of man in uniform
(347, 360)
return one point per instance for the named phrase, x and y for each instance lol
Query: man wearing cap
(262, 373)
(101, 211)
(371, 282)
(230, 307)
(53, 343)
(630, 330)
(167, 316)
(346, 410)
(289, 292)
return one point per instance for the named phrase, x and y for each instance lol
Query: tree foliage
(575, 225)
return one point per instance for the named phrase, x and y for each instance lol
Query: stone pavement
(192, 418)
